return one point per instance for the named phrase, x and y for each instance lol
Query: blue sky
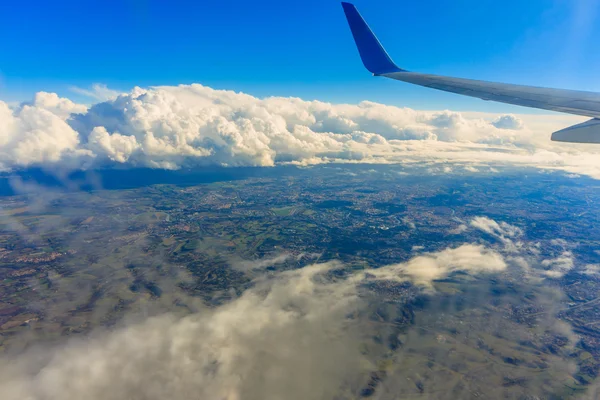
(296, 48)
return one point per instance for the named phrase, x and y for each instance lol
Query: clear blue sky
(296, 48)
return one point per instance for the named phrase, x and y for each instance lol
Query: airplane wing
(379, 63)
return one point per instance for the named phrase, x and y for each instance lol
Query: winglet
(373, 55)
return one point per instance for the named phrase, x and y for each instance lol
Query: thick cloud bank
(186, 126)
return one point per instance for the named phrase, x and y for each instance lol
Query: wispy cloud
(286, 329)
(290, 328)
(98, 92)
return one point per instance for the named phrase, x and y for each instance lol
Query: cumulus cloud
(190, 125)
(508, 122)
(500, 230)
(37, 134)
(116, 147)
(592, 269)
(459, 229)
(505, 233)
(559, 266)
(59, 106)
(527, 254)
(423, 270)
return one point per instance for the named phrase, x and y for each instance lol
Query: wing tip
(372, 53)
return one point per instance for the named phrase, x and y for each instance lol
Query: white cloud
(116, 147)
(506, 233)
(559, 266)
(592, 269)
(288, 329)
(500, 230)
(288, 336)
(188, 125)
(59, 106)
(35, 134)
(459, 229)
(426, 268)
(559, 242)
(508, 122)
(527, 254)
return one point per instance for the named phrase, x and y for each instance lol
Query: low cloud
(288, 337)
(462, 228)
(592, 269)
(303, 333)
(508, 122)
(291, 335)
(559, 266)
(58, 106)
(500, 230)
(504, 232)
(423, 270)
(557, 262)
(507, 234)
(190, 125)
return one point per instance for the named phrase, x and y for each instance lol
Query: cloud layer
(292, 335)
(191, 125)
(297, 334)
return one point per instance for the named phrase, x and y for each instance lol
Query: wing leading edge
(378, 62)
